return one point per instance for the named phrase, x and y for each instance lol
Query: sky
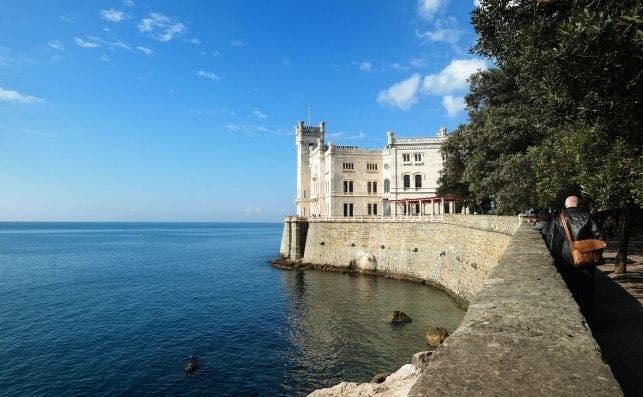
(133, 110)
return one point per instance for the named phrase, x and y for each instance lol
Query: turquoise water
(116, 308)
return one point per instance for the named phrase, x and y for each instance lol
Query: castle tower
(307, 138)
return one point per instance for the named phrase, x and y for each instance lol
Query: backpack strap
(563, 222)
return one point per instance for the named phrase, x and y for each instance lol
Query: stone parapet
(523, 335)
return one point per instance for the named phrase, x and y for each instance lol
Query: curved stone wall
(523, 333)
(456, 254)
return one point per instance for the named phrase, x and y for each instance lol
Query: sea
(116, 309)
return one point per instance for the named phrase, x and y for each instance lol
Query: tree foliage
(561, 111)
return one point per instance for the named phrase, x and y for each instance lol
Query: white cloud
(68, 18)
(253, 210)
(16, 97)
(444, 30)
(237, 43)
(448, 35)
(56, 45)
(90, 43)
(402, 95)
(128, 3)
(398, 66)
(116, 44)
(346, 136)
(255, 130)
(217, 54)
(453, 105)
(259, 114)
(193, 40)
(453, 77)
(417, 62)
(427, 9)
(208, 75)
(365, 66)
(160, 27)
(112, 15)
(104, 58)
(145, 50)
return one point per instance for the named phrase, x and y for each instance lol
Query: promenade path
(617, 320)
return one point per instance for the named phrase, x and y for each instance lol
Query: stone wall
(522, 335)
(457, 254)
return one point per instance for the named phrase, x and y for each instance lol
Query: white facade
(335, 180)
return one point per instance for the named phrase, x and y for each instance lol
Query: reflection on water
(115, 309)
(338, 328)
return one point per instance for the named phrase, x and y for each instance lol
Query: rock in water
(191, 365)
(399, 317)
(379, 378)
(436, 336)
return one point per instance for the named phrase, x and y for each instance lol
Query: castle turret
(307, 138)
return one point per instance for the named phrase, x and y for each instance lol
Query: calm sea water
(116, 308)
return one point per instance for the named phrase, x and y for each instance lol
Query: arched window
(418, 180)
(387, 186)
(406, 179)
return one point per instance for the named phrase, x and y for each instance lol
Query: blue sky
(184, 110)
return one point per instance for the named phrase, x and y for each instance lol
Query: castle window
(368, 187)
(406, 157)
(418, 156)
(374, 187)
(418, 181)
(348, 209)
(371, 167)
(372, 209)
(387, 186)
(406, 179)
(347, 166)
(348, 186)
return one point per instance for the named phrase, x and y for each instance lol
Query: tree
(560, 112)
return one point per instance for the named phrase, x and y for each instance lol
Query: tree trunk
(624, 230)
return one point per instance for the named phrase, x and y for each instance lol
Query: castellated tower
(307, 138)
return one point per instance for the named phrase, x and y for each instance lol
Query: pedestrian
(580, 280)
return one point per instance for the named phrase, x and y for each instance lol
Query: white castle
(345, 181)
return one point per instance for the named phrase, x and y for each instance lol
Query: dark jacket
(581, 227)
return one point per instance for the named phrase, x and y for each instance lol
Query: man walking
(580, 280)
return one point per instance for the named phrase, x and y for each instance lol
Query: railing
(377, 218)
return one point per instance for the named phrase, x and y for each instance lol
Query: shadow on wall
(617, 325)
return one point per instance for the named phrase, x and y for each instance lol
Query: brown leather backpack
(584, 252)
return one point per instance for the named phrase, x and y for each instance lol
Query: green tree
(560, 112)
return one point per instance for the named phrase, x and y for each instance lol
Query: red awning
(424, 199)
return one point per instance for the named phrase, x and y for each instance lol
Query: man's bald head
(571, 201)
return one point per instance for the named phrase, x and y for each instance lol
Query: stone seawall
(523, 333)
(456, 254)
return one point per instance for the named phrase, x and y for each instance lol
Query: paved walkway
(617, 321)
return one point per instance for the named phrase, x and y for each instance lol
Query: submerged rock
(399, 317)
(191, 365)
(436, 336)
